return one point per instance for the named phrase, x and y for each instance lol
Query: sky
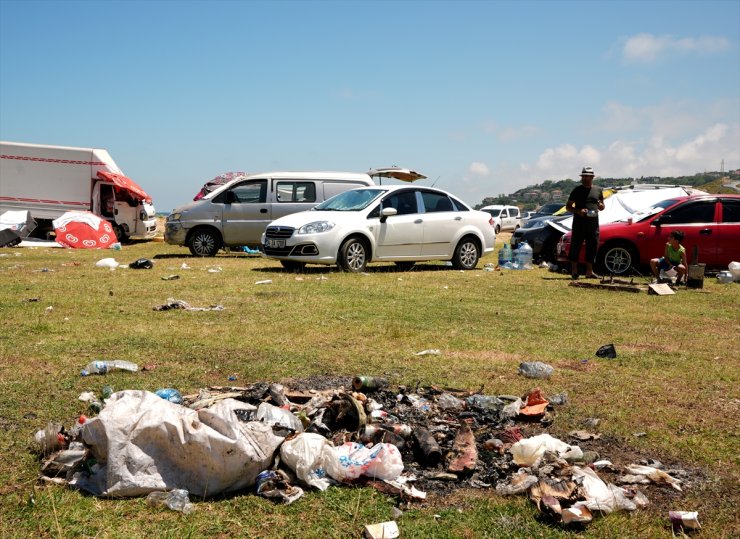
(483, 97)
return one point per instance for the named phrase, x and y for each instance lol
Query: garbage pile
(281, 439)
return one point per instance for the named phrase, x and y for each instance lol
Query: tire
(617, 258)
(466, 254)
(405, 265)
(204, 242)
(293, 266)
(353, 255)
(498, 229)
(120, 233)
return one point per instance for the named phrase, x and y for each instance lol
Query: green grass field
(675, 378)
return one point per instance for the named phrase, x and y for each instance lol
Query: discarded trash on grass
(278, 439)
(429, 352)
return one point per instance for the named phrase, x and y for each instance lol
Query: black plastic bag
(142, 263)
(607, 351)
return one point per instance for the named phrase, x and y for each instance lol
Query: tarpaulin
(144, 443)
(124, 182)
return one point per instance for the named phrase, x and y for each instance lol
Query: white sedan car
(384, 223)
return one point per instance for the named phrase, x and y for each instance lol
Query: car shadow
(318, 270)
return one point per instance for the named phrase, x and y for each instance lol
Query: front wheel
(466, 255)
(353, 255)
(497, 229)
(617, 258)
(204, 242)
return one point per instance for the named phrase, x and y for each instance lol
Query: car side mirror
(657, 221)
(387, 212)
(230, 197)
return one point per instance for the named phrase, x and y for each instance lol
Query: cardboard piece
(660, 289)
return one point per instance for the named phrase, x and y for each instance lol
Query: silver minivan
(236, 214)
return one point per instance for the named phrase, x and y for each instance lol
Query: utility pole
(722, 167)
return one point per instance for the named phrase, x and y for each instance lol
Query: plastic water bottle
(102, 367)
(504, 255)
(523, 256)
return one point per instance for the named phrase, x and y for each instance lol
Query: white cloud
(478, 169)
(646, 48)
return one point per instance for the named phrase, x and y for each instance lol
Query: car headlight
(174, 216)
(316, 227)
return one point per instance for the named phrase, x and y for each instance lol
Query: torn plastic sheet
(144, 443)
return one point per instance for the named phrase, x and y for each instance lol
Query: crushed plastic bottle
(176, 499)
(102, 367)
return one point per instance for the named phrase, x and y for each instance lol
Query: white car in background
(504, 217)
(385, 223)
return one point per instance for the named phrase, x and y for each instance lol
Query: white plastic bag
(107, 263)
(734, 268)
(381, 461)
(529, 451)
(312, 457)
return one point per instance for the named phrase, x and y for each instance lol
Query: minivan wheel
(204, 242)
(466, 255)
(617, 258)
(353, 255)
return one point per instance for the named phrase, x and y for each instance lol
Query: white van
(504, 217)
(237, 213)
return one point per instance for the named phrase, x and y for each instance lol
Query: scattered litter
(583, 436)
(607, 351)
(215, 269)
(279, 439)
(429, 352)
(185, 266)
(169, 394)
(535, 369)
(170, 277)
(102, 367)
(265, 281)
(87, 396)
(141, 263)
(382, 530)
(173, 304)
(49, 309)
(275, 484)
(684, 520)
(177, 500)
(107, 263)
(250, 251)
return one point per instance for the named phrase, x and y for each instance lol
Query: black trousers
(584, 229)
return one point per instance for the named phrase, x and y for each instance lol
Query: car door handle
(705, 232)
(418, 221)
(458, 218)
(263, 210)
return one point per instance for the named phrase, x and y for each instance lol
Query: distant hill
(533, 196)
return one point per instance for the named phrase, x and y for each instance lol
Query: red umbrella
(83, 230)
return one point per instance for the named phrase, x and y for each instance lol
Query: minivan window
(295, 191)
(252, 192)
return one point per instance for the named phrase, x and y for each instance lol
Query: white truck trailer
(51, 180)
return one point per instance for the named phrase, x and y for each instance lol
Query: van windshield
(353, 200)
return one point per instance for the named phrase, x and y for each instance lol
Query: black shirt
(586, 197)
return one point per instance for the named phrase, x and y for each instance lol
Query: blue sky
(482, 97)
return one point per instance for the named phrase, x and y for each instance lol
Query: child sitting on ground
(673, 259)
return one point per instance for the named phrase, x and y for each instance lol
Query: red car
(709, 222)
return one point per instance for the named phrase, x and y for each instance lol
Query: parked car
(547, 209)
(527, 215)
(395, 223)
(540, 235)
(710, 223)
(235, 214)
(504, 217)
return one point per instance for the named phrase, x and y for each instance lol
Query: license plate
(275, 244)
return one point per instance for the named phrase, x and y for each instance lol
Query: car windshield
(353, 200)
(494, 213)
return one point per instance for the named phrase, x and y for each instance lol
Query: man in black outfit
(585, 202)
